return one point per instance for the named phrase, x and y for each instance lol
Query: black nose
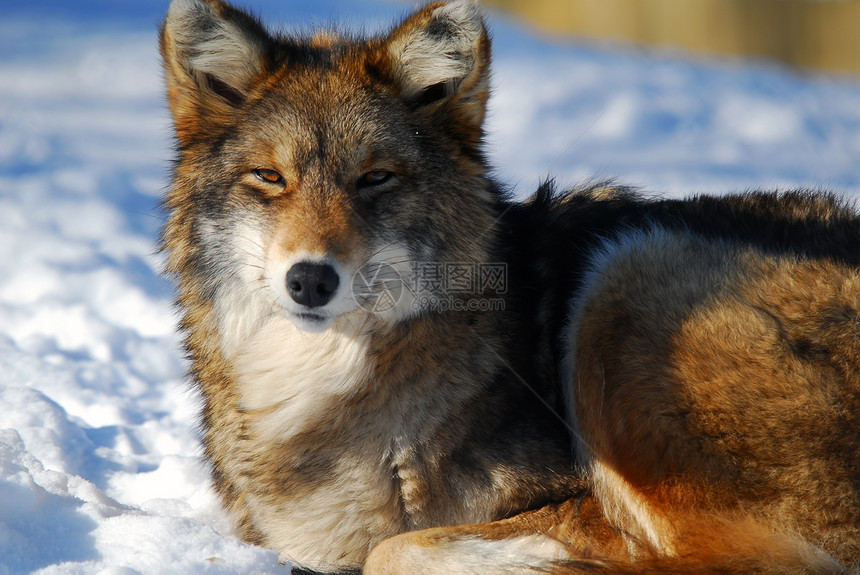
(312, 285)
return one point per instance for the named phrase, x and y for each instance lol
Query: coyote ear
(442, 54)
(213, 55)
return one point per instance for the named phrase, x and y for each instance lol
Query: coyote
(405, 371)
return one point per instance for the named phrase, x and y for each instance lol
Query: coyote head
(309, 166)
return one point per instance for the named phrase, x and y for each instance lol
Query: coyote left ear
(213, 55)
(442, 54)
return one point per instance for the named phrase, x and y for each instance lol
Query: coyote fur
(405, 371)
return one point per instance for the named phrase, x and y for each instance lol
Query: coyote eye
(374, 178)
(269, 176)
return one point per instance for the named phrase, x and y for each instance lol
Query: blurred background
(815, 34)
(812, 34)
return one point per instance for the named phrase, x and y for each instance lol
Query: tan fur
(706, 351)
(732, 402)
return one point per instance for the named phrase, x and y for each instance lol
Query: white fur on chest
(291, 381)
(287, 377)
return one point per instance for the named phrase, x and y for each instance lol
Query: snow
(100, 468)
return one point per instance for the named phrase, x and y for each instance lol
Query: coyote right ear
(213, 55)
(440, 58)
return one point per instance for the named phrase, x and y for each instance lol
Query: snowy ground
(99, 466)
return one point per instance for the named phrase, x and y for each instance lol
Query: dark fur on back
(548, 240)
